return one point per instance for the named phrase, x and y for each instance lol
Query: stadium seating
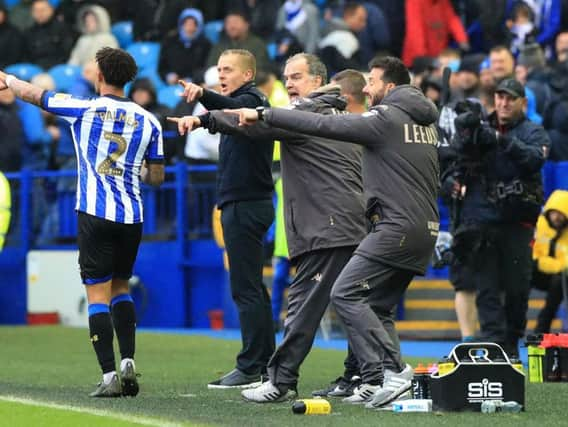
(123, 33)
(11, 3)
(170, 95)
(146, 54)
(24, 70)
(213, 30)
(64, 76)
(152, 74)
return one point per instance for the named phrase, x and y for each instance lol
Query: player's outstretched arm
(23, 90)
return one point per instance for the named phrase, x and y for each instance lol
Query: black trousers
(244, 226)
(502, 273)
(308, 298)
(552, 283)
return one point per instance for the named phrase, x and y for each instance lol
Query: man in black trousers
(244, 196)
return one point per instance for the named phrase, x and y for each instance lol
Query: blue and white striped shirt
(112, 137)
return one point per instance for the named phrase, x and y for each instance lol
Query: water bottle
(413, 405)
(491, 406)
(536, 356)
(311, 407)
(420, 383)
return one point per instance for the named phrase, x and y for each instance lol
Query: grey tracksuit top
(400, 170)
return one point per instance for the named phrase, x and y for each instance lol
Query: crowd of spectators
(482, 41)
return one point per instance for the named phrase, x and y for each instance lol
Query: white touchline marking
(98, 412)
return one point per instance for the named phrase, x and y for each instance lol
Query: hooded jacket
(550, 249)
(322, 181)
(89, 43)
(185, 56)
(400, 171)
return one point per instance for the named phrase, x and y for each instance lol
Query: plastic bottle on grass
(491, 406)
(311, 407)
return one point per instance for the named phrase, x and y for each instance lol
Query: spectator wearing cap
(499, 204)
(183, 54)
(430, 24)
(422, 67)
(237, 35)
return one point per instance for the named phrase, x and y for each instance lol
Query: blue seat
(146, 54)
(154, 77)
(64, 76)
(24, 70)
(212, 30)
(561, 176)
(11, 3)
(170, 95)
(272, 49)
(123, 32)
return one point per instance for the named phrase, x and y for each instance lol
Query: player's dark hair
(394, 71)
(117, 66)
(352, 82)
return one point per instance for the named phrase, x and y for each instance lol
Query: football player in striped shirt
(118, 144)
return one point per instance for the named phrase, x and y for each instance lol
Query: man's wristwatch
(260, 112)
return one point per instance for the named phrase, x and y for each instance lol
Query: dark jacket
(517, 156)
(244, 170)
(186, 59)
(400, 171)
(11, 138)
(556, 122)
(48, 44)
(322, 182)
(11, 42)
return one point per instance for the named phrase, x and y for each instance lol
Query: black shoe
(112, 389)
(129, 380)
(341, 387)
(236, 379)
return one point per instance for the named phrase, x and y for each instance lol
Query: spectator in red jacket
(429, 26)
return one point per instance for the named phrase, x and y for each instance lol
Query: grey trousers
(365, 296)
(308, 298)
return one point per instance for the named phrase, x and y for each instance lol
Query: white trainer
(394, 386)
(268, 393)
(362, 394)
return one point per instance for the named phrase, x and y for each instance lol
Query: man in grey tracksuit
(324, 214)
(400, 176)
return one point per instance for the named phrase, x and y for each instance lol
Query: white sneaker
(362, 394)
(268, 392)
(395, 385)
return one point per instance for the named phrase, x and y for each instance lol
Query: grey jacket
(400, 171)
(321, 178)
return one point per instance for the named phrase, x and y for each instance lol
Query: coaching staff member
(112, 136)
(244, 195)
(400, 177)
(323, 210)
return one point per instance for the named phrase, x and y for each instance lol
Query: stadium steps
(429, 311)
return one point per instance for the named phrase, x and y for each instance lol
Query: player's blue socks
(124, 320)
(100, 329)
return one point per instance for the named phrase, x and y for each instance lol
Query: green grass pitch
(46, 374)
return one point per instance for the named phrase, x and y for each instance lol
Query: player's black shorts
(107, 249)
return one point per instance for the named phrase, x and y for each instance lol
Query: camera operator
(496, 185)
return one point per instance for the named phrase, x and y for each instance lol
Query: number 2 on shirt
(106, 168)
